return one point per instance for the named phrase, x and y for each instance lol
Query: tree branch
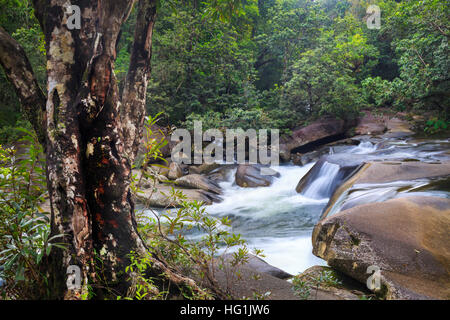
(135, 90)
(20, 73)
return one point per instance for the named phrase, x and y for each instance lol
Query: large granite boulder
(321, 132)
(323, 279)
(254, 175)
(256, 280)
(370, 125)
(407, 238)
(257, 264)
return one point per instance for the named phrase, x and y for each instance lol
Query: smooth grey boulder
(255, 175)
(196, 181)
(175, 171)
(407, 238)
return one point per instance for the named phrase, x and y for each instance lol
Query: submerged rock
(255, 175)
(407, 238)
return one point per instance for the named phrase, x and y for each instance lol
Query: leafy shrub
(377, 91)
(303, 285)
(25, 241)
(436, 125)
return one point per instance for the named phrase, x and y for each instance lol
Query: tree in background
(325, 79)
(17, 18)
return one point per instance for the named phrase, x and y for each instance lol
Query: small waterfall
(323, 185)
(365, 147)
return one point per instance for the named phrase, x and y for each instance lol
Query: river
(280, 221)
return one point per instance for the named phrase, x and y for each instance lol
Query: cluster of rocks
(199, 183)
(406, 237)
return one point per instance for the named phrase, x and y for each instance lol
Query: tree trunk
(91, 135)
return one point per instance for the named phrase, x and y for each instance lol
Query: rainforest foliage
(273, 63)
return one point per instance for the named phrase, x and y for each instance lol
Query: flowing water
(280, 221)
(277, 219)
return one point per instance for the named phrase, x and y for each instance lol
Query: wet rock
(347, 163)
(297, 159)
(257, 264)
(196, 181)
(222, 173)
(254, 175)
(318, 132)
(159, 197)
(313, 156)
(382, 172)
(204, 168)
(175, 171)
(285, 152)
(406, 238)
(370, 125)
